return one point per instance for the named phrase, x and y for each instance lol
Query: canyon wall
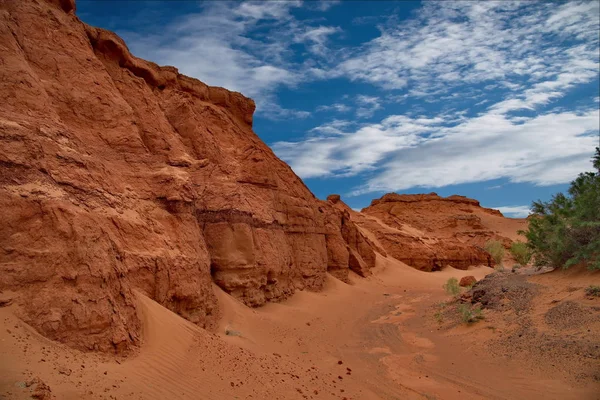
(119, 175)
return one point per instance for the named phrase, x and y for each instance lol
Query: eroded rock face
(361, 252)
(430, 232)
(119, 175)
(467, 281)
(430, 212)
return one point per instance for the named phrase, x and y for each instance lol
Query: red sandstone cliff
(120, 175)
(430, 232)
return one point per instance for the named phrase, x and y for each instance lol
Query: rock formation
(452, 216)
(468, 280)
(120, 175)
(361, 256)
(430, 232)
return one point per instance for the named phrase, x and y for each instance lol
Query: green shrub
(451, 287)
(566, 230)
(470, 315)
(593, 291)
(496, 250)
(520, 252)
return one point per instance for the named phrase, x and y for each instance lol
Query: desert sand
(374, 339)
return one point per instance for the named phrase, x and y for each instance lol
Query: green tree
(566, 230)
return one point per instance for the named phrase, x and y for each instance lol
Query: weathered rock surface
(430, 232)
(361, 256)
(119, 175)
(467, 281)
(430, 213)
(39, 389)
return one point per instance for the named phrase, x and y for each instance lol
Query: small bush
(496, 250)
(520, 252)
(451, 287)
(470, 315)
(593, 291)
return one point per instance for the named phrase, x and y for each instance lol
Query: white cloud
(452, 45)
(514, 211)
(577, 68)
(276, 112)
(342, 151)
(528, 55)
(317, 37)
(575, 18)
(339, 107)
(335, 127)
(243, 47)
(324, 5)
(265, 10)
(543, 150)
(403, 152)
(367, 105)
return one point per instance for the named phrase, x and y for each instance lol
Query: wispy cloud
(514, 211)
(339, 107)
(528, 55)
(450, 45)
(577, 67)
(544, 150)
(411, 152)
(323, 5)
(342, 149)
(367, 105)
(316, 37)
(243, 47)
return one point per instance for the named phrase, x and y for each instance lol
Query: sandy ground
(507, 227)
(375, 339)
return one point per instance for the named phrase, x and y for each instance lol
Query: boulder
(467, 281)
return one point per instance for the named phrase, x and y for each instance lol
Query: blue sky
(498, 101)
